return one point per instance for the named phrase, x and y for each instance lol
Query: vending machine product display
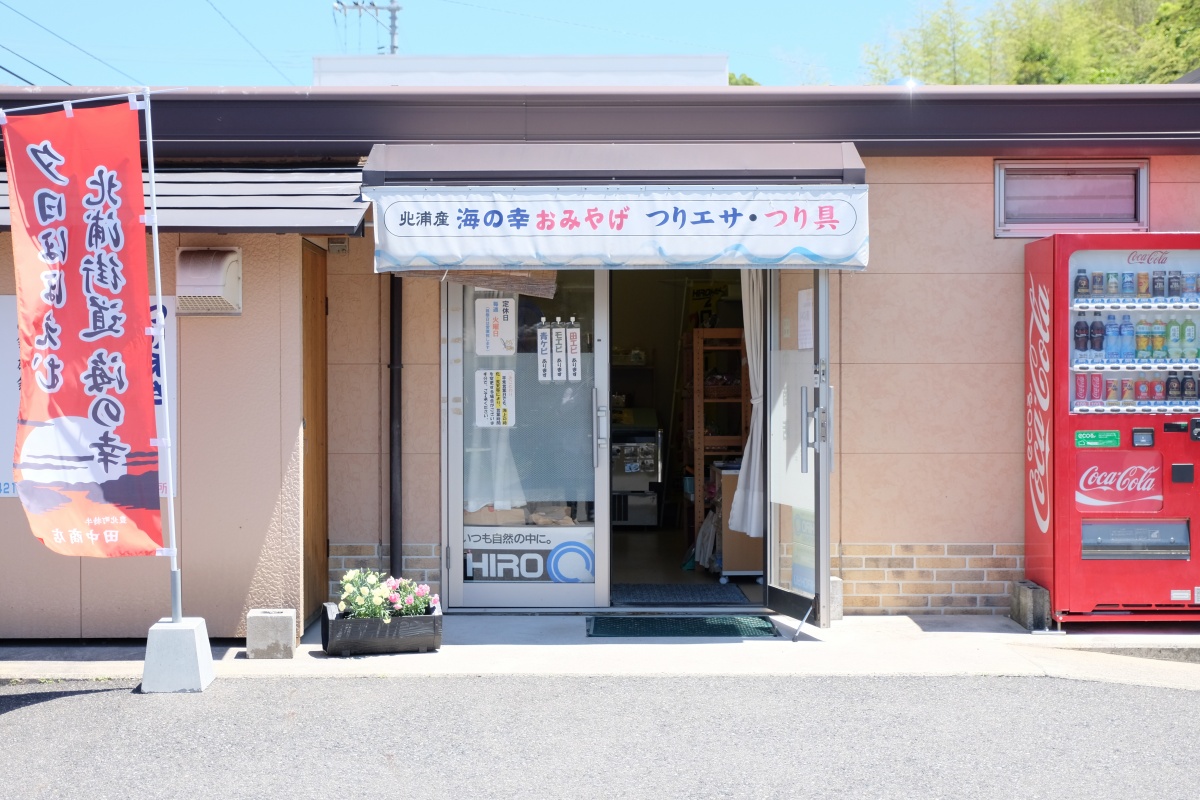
(1112, 424)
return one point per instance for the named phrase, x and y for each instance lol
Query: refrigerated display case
(636, 467)
(1113, 424)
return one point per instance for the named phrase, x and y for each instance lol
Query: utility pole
(393, 8)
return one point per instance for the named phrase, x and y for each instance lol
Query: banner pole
(164, 438)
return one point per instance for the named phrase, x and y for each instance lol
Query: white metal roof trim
(249, 201)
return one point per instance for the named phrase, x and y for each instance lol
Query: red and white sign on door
(1114, 480)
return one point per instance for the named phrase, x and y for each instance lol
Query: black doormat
(677, 594)
(708, 627)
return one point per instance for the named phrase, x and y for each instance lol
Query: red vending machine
(1112, 424)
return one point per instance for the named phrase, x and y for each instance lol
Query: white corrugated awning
(613, 205)
(249, 201)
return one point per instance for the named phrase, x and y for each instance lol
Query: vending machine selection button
(1143, 437)
(1183, 473)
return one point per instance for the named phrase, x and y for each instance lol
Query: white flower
(341, 606)
(372, 579)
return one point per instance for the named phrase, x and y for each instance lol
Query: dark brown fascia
(327, 126)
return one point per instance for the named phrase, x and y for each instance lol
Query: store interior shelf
(715, 352)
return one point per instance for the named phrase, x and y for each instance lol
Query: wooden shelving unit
(714, 351)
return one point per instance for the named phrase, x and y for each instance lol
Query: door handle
(804, 420)
(599, 429)
(829, 429)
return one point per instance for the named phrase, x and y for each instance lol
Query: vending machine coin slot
(1183, 473)
(1143, 437)
(1194, 429)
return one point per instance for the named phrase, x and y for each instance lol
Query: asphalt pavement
(551, 736)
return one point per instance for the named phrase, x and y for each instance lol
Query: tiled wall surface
(358, 347)
(930, 406)
(927, 578)
(359, 340)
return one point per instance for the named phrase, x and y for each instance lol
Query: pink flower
(434, 600)
(408, 600)
(390, 583)
(393, 598)
(422, 590)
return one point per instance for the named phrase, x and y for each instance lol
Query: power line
(39, 66)
(15, 75)
(247, 41)
(77, 47)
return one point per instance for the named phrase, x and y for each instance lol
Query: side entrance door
(528, 446)
(800, 443)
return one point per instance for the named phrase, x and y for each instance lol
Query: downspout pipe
(395, 372)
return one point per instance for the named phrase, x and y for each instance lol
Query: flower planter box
(356, 637)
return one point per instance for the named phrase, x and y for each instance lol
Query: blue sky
(186, 42)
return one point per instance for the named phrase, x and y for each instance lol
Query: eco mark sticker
(1097, 438)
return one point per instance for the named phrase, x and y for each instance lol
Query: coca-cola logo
(1148, 257)
(1129, 480)
(1037, 402)
(1119, 480)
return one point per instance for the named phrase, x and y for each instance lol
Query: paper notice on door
(495, 398)
(496, 326)
(545, 370)
(574, 353)
(558, 338)
(804, 320)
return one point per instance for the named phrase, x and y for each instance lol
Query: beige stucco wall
(239, 485)
(929, 496)
(359, 446)
(931, 384)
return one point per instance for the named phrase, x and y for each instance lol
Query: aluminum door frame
(524, 595)
(799, 604)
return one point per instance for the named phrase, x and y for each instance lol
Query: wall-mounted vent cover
(208, 281)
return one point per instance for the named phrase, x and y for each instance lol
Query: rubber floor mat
(710, 627)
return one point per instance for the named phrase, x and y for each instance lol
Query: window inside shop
(1037, 198)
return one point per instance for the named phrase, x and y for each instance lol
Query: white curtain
(746, 511)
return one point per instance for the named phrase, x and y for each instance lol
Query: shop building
(313, 440)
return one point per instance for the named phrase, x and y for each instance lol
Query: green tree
(1044, 42)
(742, 80)
(1171, 46)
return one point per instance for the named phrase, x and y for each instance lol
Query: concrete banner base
(178, 657)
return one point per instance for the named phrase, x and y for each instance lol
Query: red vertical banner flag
(86, 457)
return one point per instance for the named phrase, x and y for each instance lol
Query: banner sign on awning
(590, 227)
(86, 461)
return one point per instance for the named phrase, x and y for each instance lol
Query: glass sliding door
(528, 446)
(799, 443)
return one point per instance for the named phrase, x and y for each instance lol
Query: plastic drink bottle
(1158, 338)
(1112, 340)
(1141, 389)
(1174, 387)
(1158, 389)
(1190, 348)
(1142, 338)
(1081, 337)
(1189, 387)
(1128, 340)
(1096, 337)
(1174, 338)
(1083, 285)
